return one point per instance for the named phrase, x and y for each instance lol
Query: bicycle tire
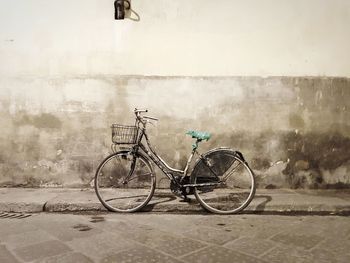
(221, 196)
(125, 182)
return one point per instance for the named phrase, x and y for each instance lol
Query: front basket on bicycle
(124, 134)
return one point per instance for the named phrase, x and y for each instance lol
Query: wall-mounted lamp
(119, 8)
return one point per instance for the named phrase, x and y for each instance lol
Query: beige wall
(197, 37)
(68, 70)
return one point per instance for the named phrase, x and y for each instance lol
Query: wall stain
(42, 121)
(296, 121)
(314, 152)
(260, 163)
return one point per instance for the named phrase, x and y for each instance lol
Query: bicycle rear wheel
(125, 182)
(226, 184)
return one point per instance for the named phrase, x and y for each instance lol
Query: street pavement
(163, 237)
(283, 201)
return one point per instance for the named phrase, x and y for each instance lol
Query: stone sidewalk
(174, 238)
(276, 201)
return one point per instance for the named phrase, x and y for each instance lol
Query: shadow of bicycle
(157, 199)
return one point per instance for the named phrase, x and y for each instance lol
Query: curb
(22, 207)
(180, 209)
(287, 202)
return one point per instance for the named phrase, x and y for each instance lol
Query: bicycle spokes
(231, 185)
(124, 183)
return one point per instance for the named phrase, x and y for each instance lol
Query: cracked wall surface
(294, 131)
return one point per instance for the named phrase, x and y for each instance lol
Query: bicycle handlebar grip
(140, 110)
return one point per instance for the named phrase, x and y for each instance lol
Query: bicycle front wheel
(125, 182)
(226, 184)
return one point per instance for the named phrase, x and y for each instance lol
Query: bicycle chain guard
(179, 191)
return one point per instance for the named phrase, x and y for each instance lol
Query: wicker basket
(124, 134)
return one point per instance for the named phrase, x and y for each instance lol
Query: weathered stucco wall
(294, 131)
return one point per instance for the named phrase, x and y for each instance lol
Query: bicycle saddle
(199, 135)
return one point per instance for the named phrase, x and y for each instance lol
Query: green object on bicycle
(199, 135)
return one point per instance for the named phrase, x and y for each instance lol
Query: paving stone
(167, 242)
(308, 229)
(11, 227)
(219, 221)
(339, 246)
(251, 246)
(177, 224)
(99, 246)
(41, 250)
(322, 256)
(324, 226)
(341, 230)
(343, 258)
(264, 227)
(139, 255)
(216, 254)
(145, 235)
(212, 235)
(262, 231)
(287, 254)
(27, 238)
(319, 226)
(68, 230)
(249, 225)
(128, 227)
(297, 239)
(235, 230)
(6, 256)
(66, 258)
(179, 246)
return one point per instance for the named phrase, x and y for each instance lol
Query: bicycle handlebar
(140, 110)
(151, 118)
(143, 119)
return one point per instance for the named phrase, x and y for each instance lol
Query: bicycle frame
(163, 166)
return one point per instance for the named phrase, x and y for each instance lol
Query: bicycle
(221, 180)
